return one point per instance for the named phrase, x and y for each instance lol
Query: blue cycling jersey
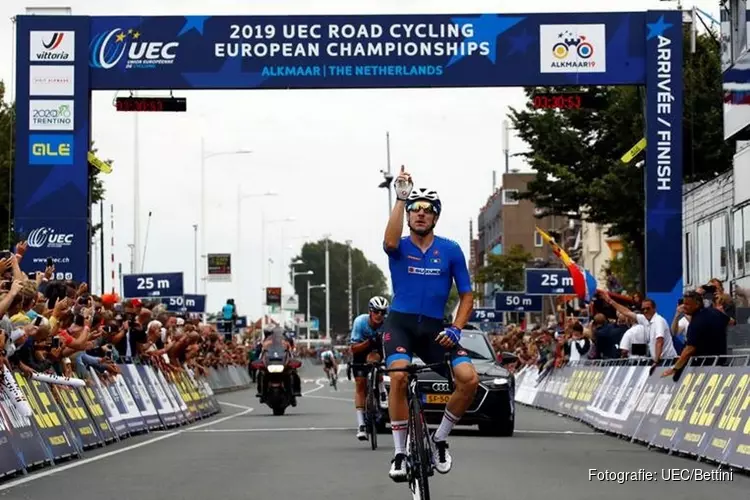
(361, 329)
(422, 281)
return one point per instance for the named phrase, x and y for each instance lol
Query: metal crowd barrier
(705, 414)
(44, 422)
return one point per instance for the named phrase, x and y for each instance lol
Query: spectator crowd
(616, 326)
(59, 327)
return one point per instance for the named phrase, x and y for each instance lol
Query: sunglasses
(421, 205)
(379, 312)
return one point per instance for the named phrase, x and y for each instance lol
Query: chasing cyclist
(330, 365)
(423, 267)
(366, 346)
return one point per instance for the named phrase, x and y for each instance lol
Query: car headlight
(275, 368)
(497, 382)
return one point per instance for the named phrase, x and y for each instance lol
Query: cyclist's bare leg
(466, 381)
(398, 409)
(360, 391)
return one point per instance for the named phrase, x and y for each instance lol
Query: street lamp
(205, 156)
(366, 287)
(238, 258)
(263, 258)
(310, 287)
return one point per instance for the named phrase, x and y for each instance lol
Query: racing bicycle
(372, 400)
(419, 450)
(333, 377)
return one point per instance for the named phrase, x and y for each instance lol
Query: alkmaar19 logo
(112, 47)
(46, 237)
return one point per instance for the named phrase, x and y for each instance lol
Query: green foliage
(627, 268)
(7, 139)
(7, 164)
(452, 301)
(364, 273)
(507, 270)
(576, 153)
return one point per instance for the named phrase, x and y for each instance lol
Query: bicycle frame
(419, 464)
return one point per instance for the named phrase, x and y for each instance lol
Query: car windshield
(474, 345)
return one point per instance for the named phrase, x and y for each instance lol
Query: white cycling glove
(403, 187)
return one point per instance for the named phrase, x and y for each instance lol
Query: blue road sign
(152, 285)
(187, 303)
(548, 282)
(485, 314)
(241, 322)
(517, 302)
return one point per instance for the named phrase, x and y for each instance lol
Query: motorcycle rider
(275, 335)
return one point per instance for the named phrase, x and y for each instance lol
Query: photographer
(706, 335)
(714, 296)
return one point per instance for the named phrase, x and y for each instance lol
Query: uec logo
(108, 49)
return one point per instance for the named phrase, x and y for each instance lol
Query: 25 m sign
(152, 285)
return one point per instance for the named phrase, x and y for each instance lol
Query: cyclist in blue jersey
(423, 268)
(366, 346)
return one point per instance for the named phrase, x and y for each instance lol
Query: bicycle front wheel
(372, 414)
(419, 456)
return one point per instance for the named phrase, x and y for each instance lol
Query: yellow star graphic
(121, 37)
(136, 35)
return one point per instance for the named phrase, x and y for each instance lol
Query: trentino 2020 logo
(118, 47)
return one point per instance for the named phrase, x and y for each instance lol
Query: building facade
(597, 250)
(716, 228)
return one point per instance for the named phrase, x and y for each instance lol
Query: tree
(576, 152)
(626, 268)
(7, 164)
(364, 273)
(506, 270)
(453, 299)
(7, 133)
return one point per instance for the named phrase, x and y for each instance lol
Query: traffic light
(387, 179)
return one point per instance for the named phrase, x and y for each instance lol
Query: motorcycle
(275, 378)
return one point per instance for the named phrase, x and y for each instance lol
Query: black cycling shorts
(410, 334)
(361, 358)
(328, 363)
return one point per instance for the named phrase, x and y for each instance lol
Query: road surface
(311, 453)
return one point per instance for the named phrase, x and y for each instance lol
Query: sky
(321, 152)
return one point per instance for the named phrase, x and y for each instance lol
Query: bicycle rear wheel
(419, 458)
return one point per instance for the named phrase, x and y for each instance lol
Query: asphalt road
(311, 453)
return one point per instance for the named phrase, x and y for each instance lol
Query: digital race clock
(174, 104)
(563, 100)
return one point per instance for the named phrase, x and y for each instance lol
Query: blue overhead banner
(376, 51)
(664, 158)
(50, 198)
(62, 59)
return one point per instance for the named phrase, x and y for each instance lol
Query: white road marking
(574, 433)
(349, 400)
(84, 461)
(277, 429)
